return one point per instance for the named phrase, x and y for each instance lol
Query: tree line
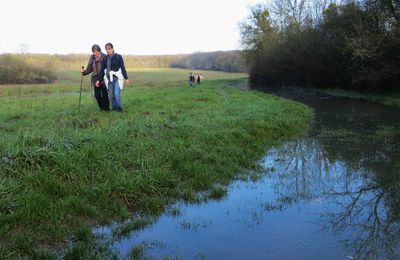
(73, 61)
(324, 43)
(229, 61)
(41, 68)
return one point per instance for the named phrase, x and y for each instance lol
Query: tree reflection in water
(357, 178)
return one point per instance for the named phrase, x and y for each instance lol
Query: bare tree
(299, 12)
(317, 7)
(288, 12)
(24, 48)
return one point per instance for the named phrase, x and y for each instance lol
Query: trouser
(101, 95)
(114, 93)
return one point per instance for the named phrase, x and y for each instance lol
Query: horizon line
(86, 53)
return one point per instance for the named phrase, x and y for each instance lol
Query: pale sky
(134, 27)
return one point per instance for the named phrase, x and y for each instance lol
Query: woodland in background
(40, 68)
(229, 61)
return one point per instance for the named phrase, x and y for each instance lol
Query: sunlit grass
(62, 170)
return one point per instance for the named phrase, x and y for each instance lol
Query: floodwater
(332, 194)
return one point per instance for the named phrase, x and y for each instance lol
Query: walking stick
(80, 93)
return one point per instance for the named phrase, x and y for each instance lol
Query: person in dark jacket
(198, 78)
(95, 66)
(191, 79)
(115, 75)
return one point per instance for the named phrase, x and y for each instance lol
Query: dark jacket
(96, 67)
(117, 62)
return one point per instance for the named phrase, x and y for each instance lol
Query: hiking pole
(80, 93)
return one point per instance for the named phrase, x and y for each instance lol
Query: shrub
(15, 69)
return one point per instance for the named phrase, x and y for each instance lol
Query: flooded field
(332, 194)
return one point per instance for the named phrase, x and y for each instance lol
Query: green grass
(69, 80)
(132, 225)
(62, 171)
(389, 99)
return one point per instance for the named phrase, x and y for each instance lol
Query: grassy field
(385, 99)
(69, 80)
(62, 171)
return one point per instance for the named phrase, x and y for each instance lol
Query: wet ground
(332, 194)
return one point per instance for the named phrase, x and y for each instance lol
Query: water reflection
(361, 204)
(333, 194)
(351, 162)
